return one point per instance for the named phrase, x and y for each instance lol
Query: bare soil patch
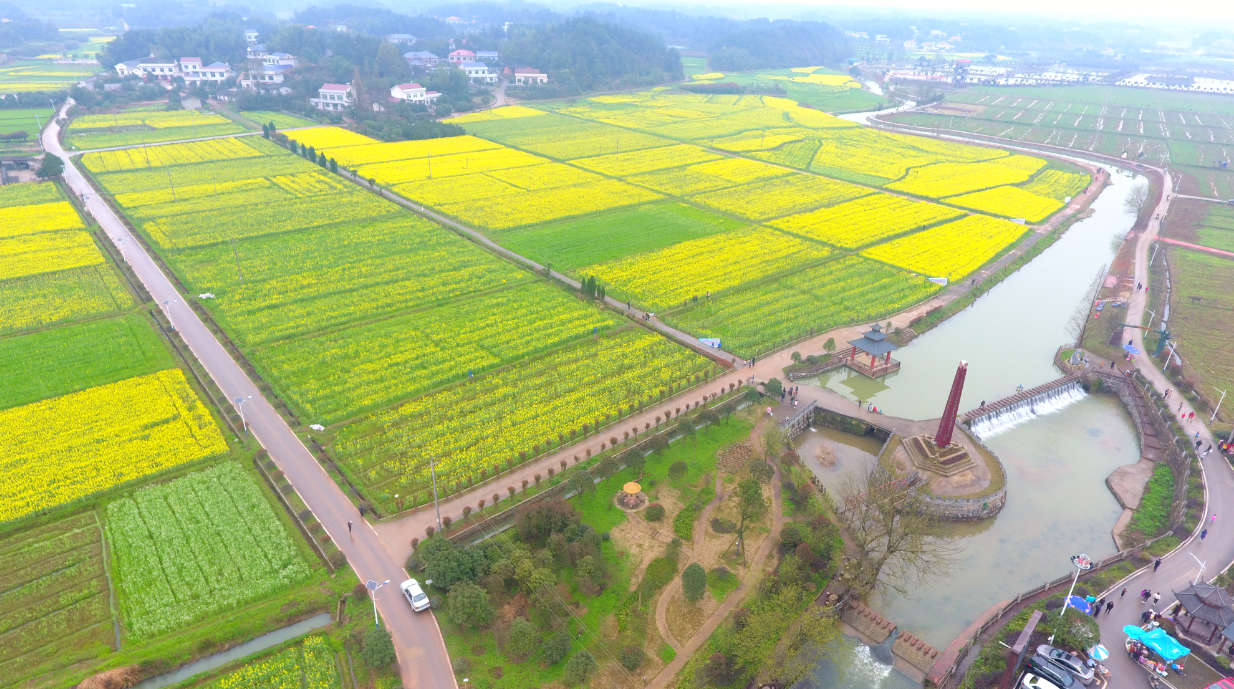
(733, 457)
(643, 540)
(685, 618)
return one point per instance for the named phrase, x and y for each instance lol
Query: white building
(159, 68)
(401, 38)
(195, 73)
(414, 93)
(279, 59)
(526, 76)
(256, 51)
(133, 67)
(478, 73)
(250, 36)
(486, 56)
(333, 97)
(458, 57)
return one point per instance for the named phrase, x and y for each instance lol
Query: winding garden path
(753, 574)
(700, 535)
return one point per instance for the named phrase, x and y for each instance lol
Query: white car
(1032, 681)
(414, 595)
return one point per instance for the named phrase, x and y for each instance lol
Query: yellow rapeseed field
(1012, 202)
(953, 250)
(950, 179)
(59, 450)
(171, 154)
(367, 154)
(459, 164)
(1056, 184)
(866, 220)
(635, 162)
(662, 279)
(329, 137)
(46, 252)
(499, 213)
(779, 197)
(508, 112)
(43, 217)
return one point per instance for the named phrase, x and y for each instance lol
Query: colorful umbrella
(1098, 653)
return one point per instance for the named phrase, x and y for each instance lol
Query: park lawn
(599, 512)
(281, 120)
(596, 238)
(57, 361)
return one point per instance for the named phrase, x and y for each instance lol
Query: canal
(1057, 501)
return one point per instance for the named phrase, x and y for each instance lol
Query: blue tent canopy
(1079, 604)
(1161, 643)
(1130, 349)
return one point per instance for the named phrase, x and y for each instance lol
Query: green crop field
(134, 126)
(202, 544)
(57, 361)
(42, 75)
(55, 610)
(573, 244)
(281, 120)
(1200, 314)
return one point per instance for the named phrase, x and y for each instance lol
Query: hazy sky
(1131, 11)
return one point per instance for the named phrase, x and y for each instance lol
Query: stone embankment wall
(876, 628)
(969, 509)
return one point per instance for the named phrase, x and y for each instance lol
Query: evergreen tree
(333, 165)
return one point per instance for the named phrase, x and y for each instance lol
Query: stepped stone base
(918, 653)
(869, 623)
(927, 456)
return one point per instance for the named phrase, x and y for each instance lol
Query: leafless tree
(895, 542)
(1078, 323)
(1134, 203)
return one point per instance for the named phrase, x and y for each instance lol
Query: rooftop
(335, 87)
(874, 342)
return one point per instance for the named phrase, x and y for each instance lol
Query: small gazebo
(874, 344)
(1209, 604)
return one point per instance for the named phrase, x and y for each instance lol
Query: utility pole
(173, 185)
(1214, 417)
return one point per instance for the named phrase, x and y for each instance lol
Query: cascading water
(869, 667)
(1018, 412)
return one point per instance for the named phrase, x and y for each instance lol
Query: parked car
(1046, 669)
(1072, 662)
(1031, 681)
(414, 595)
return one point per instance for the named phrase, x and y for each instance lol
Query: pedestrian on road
(1097, 608)
(348, 527)
(1180, 406)
(1213, 520)
(1166, 396)
(1191, 417)
(1156, 564)
(1143, 595)
(1123, 593)
(1156, 598)
(1203, 534)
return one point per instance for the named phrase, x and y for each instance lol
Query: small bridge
(1012, 400)
(795, 424)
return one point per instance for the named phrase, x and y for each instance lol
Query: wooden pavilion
(875, 345)
(1207, 603)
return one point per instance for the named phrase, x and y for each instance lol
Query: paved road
(421, 651)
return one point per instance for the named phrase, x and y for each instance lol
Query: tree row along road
(422, 656)
(1180, 567)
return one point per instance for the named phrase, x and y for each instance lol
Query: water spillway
(1008, 412)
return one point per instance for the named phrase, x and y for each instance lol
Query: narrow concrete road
(421, 652)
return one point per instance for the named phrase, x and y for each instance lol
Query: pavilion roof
(874, 342)
(1206, 602)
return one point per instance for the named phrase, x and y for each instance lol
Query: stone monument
(940, 455)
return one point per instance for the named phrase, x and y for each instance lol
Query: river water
(1057, 501)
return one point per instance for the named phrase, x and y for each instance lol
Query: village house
(478, 73)
(421, 58)
(333, 97)
(194, 73)
(250, 36)
(257, 51)
(401, 39)
(413, 93)
(526, 76)
(458, 57)
(486, 56)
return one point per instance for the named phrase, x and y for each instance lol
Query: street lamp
(1082, 564)
(433, 468)
(373, 586)
(1202, 563)
(240, 406)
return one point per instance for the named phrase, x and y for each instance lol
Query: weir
(1002, 414)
